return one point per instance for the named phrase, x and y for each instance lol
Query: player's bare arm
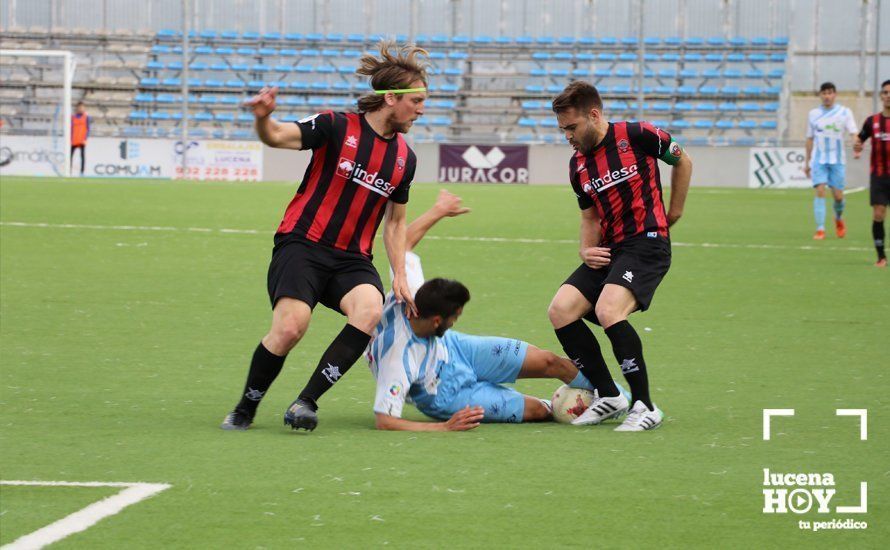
(394, 239)
(591, 253)
(270, 131)
(461, 421)
(448, 205)
(680, 178)
(809, 152)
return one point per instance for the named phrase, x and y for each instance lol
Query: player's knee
(555, 366)
(366, 317)
(535, 410)
(608, 314)
(285, 335)
(560, 314)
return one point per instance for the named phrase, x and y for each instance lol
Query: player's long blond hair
(395, 68)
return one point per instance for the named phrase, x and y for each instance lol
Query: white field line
(85, 517)
(508, 240)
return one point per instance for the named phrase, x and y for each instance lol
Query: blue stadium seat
(527, 122)
(203, 50)
(705, 107)
(710, 73)
(585, 56)
(772, 90)
(133, 131)
(728, 107)
(652, 41)
(609, 41)
(769, 124)
(440, 121)
(540, 56)
(683, 107)
(777, 57)
(526, 138)
(198, 133)
(716, 41)
(582, 73)
(745, 140)
(714, 57)
(679, 124)
(566, 40)
(780, 41)
(314, 37)
(169, 98)
(692, 56)
(342, 86)
(138, 115)
(735, 57)
(452, 71)
(724, 124)
(529, 105)
(355, 37)
(240, 134)
(172, 82)
(460, 39)
(770, 107)
(776, 73)
(754, 73)
(563, 56)
(142, 97)
(482, 39)
(325, 69)
(235, 84)
(320, 86)
(602, 73)
(673, 41)
(703, 124)
(256, 84)
(667, 73)
(267, 52)
(686, 90)
(458, 55)
(272, 36)
(661, 107)
(757, 57)
(548, 123)
(621, 89)
(694, 41)
(730, 90)
(293, 36)
(250, 35)
(738, 42)
(224, 50)
(224, 117)
(587, 41)
(283, 69)
(439, 39)
(160, 49)
(688, 73)
(665, 90)
(547, 40)
(627, 56)
(534, 88)
(260, 68)
(749, 107)
(310, 52)
(154, 66)
(330, 53)
(198, 66)
(622, 72)
(244, 117)
(747, 124)
(229, 35)
(535, 71)
(555, 72)
(246, 51)
(670, 57)
(167, 34)
(503, 40)
(554, 88)
(229, 100)
(174, 66)
(606, 56)
(207, 99)
(214, 83)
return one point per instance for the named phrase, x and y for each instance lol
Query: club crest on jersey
(345, 167)
(352, 141)
(623, 145)
(400, 163)
(675, 149)
(395, 389)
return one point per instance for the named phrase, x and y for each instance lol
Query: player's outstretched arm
(270, 131)
(394, 234)
(591, 253)
(461, 421)
(680, 178)
(448, 205)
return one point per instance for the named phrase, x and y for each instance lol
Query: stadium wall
(548, 165)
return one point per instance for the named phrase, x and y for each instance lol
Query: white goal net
(35, 112)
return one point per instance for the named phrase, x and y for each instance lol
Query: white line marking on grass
(509, 240)
(85, 517)
(854, 190)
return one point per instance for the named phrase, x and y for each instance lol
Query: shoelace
(634, 417)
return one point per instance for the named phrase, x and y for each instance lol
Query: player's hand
(596, 256)
(857, 148)
(807, 171)
(673, 216)
(465, 419)
(403, 294)
(449, 205)
(263, 103)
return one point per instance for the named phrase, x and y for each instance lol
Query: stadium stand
(711, 90)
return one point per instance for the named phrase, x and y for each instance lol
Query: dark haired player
(359, 175)
(625, 247)
(877, 127)
(449, 375)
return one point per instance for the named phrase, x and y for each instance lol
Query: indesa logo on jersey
(610, 179)
(360, 175)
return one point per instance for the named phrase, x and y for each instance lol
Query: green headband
(401, 91)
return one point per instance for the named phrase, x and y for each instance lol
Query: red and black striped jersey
(877, 127)
(620, 178)
(351, 176)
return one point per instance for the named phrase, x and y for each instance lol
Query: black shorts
(638, 265)
(879, 190)
(314, 273)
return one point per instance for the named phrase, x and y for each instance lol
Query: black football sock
(345, 350)
(877, 231)
(629, 353)
(581, 347)
(264, 368)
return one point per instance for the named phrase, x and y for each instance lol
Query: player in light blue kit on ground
(449, 375)
(825, 158)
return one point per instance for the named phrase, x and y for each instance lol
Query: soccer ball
(568, 403)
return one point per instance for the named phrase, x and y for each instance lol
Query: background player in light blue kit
(449, 375)
(825, 158)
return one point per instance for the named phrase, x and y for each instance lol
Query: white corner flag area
(85, 517)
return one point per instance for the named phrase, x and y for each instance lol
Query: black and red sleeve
(865, 133)
(400, 195)
(584, 200)
(316, 130)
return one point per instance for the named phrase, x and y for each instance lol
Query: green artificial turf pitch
(129, 318)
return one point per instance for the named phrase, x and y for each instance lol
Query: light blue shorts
(476, 368)
(835, 175)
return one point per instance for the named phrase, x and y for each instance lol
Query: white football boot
(640, 419)
(602, 408)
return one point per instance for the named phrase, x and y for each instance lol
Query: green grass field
(129, 314)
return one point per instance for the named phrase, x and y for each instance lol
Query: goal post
(59, 130)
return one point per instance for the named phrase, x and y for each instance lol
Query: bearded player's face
(407, 108)
(579, 128)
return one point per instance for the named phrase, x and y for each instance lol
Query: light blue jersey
(827, 128)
